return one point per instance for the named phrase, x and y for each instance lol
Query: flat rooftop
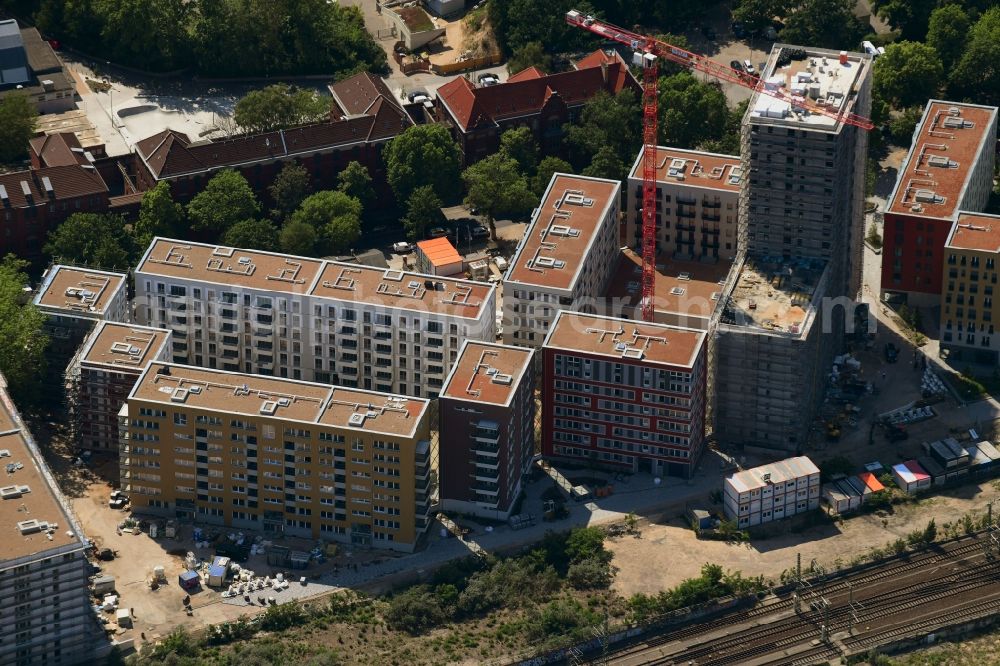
(280, 273)
(123, 347)
(975, 231)
(776, 472)
(774, 296)
(820, 77)
(693, 168)
(278, 398)
(562, 231)
(440, 251)
(26, 494)
(69, 290)
(936, 172)
(648, 343)
(403, 290)
(487, 372)
(690, 288)
(235, 267)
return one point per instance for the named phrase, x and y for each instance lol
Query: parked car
(437, 232)
(489, 81)
(418, 96)
(891, 352)
(118, 499)
(737, 65)
(402, 247)
(748, 66)
(480, 232)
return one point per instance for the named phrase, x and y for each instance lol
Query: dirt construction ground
(668, 552)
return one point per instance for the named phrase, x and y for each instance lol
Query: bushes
(713, 583)
(415, 610)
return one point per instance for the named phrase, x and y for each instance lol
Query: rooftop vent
(124, 348)
(284, 402)
(223, 252)
(683, 275)
(633, 352)
(394, 276)
(928, 196)
(954, 111)
(3, 194)
(194, 390)
(268, 407)
(563, 230)
(677, 166)
(501, 378)
(244, 260)
(13, 492)
(413, 284)
(179, 394)
(357, 419)
(4, 453)
(677, 291)
(31, 526)
(47, 184)
(942, 162)
(957, 123)
(577, 199)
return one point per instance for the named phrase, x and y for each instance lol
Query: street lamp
(111, 98)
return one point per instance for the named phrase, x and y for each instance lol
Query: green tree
(908, 73)
(668, 68)
(495, 185)
(584, 543)
(930, 532)
(424, 155)
(289, 188)
(355, 181)
(298, 238)
(901, 126)
(532, 54)
(756, 15)
(977, 74)
(605, 120)
(279, 106)
(159, 215)
(22, 340)
(910, 17)
(947, 32)
(93, 239)
(252, 235)
(423, 211)
(17, 126)
(692, 112)
(606, 165)
(415, 610)
(729, 142)
(519, 144)
(159, 46)
(824, 23)
(226, 200)
(335, 216)
(546, 169)
(517, 23)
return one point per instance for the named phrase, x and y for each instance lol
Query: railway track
(955, 581)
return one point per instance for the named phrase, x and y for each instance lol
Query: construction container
(124, 618)
(189, 580)
(836, 499)
(104, 585)
(911, 477)
(218, 571)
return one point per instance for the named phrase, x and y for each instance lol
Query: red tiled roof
(170, 154)
(58, 149)
(526, 74)
(68, 182)
(471, 106)
(358, 94)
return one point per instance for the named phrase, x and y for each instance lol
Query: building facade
(530, 98)
(310, 319)
(278, 455)
(968, 314)
(487, 429)
(624, 394)
(43, 562)
(102, 375)
(772, 492)
(949, 169)
(697, 204)
(565, 259)
(803, 194)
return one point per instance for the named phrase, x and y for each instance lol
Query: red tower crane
(650, 51)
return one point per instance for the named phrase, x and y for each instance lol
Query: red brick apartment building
(949, 169)
(479, 115)
(365, 116)
(624, 394)
(487, 424)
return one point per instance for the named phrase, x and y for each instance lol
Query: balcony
(485, 462)
(485, 477)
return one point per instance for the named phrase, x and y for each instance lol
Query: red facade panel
(913, 253)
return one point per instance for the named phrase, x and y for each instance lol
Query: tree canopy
(908, 73)
(532, 54)
(94, 239)
(827, 24)
(519, 144)
(17, 126)
(159, 215)
(289, 188)
(495, 186)
(22, 341)
(335, 216)
(279, 106)
(606, 164)
(424, 155)
(947, 32)
(605, 120)
(355, 181)
(298, 238)
(910, 17)
(252, 235)
(977, 74)
(756, 15)
(546, 168)
(423, 211)
(230, 38)
(226, 200)
(691, 112)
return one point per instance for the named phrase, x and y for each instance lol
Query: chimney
(604, 71)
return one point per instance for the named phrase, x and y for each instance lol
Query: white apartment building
(772, 492)
(310, 319)
(44, 596)
(70, 295)
(566, 258)
(698, 196)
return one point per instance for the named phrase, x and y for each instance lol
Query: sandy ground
(668, 551)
